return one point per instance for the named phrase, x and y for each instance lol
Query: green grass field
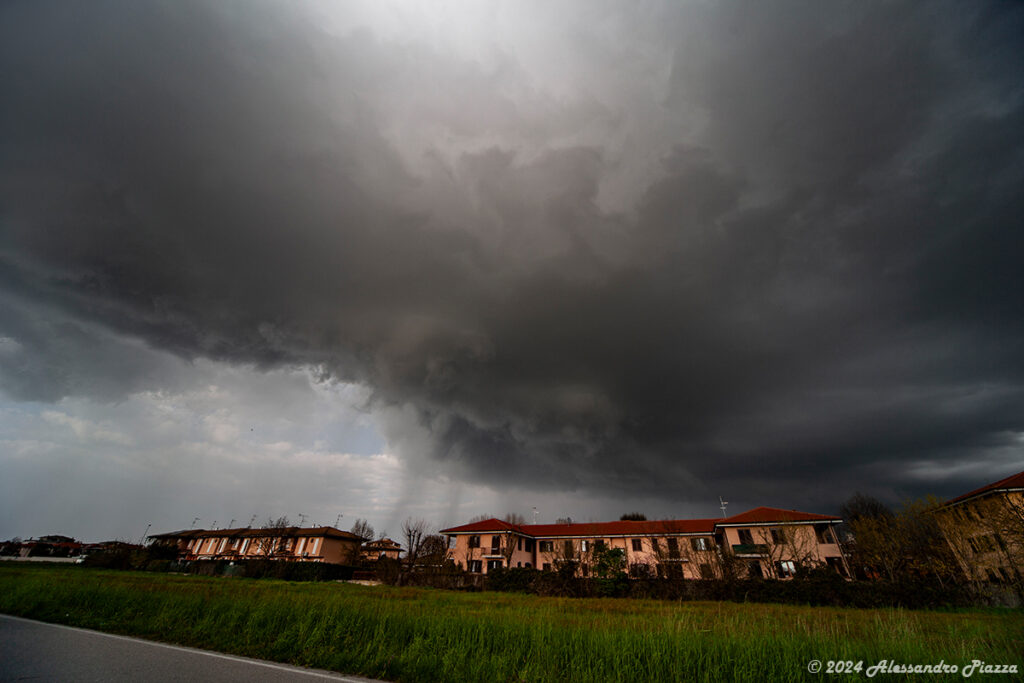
(408, 634)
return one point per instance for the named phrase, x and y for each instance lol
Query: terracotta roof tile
(484, 525)
(1014, 481)
(621, 528)
(763, 515)
(245, 532)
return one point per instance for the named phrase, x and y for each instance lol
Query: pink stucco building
(766, 542)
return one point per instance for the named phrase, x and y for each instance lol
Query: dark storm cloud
(820, 281)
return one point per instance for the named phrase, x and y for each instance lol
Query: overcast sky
(441, 259)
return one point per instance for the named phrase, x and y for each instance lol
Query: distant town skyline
(436, 260)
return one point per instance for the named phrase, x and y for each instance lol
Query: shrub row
(145, 560)
(823, 589)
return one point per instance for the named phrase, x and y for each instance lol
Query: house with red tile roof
(764, 542)
(380, 549)
(985, 529)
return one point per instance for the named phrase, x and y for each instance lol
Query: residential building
(766, 542)
(319, 544)
(380, 549)
(985, 528)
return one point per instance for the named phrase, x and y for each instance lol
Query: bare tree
(362, 529)
(570, 555)
(510, 538)
(414, 531)
(271, 536)
(790, 548)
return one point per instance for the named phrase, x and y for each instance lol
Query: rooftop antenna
(231, 524)
(534, 514)
(338, 520)
(302, 519)
(145, 534)
(194, 523)
(722, 504)
(251, 521)
(214, 524)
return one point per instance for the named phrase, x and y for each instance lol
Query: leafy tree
(433, 550)
(609, 562)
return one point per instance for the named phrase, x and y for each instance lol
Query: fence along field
(415, 634)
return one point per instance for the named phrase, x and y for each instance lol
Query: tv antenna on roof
(231, 524)
(251, 521)
(722, 504)
(302, 519)
(194, 523)
(534, 514)
(338, 520)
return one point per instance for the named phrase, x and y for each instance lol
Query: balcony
(750, 549)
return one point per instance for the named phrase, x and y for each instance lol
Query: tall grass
(429, 635)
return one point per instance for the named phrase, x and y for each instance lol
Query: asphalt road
(36, 651)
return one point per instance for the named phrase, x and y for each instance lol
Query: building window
(529, 566)
(519, 543)
(495, 543)
(546, 566)
(530, 544)
(547, 546)
(778, 537)
(754, 570)
(474, 541)
(475, 566)
(673, 548)
(699, 544)
(638, 545)
(584, 545)
(599, 545)
(824, 533)
(706, 572)
(746, 538)
(493, 564)
(786, 569)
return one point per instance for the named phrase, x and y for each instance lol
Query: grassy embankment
(431, 635)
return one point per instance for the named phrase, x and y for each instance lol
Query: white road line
(182, 648)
